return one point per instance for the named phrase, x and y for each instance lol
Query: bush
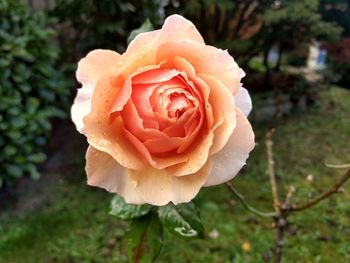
(31, 89)
(90, 24)
(339, 62)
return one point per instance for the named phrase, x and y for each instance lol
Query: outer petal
(205, 59)
(177, 27)
(81, 106)
(174, 27)
(103, 171)
(157, 187)
(95, 64)
(223, 104)
(228, 161)
(104, 134)
(243, 101)
(141, 51)
(90, 69)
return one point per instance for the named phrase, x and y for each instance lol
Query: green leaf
(10, 150)
(57, 112)
(33, 171)
(126, 211)
(182, 220)
(32, 105)
(144, 241)
(145, 27)
(14, 170)
(37, 157)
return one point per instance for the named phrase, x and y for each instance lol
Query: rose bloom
(163, 119)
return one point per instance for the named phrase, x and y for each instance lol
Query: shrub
(90, 24)
(31, 89)
(339, 62)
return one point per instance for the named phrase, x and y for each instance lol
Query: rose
(163, 119)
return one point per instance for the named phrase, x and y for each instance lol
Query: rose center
(178, 104)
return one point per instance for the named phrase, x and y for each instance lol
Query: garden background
(296, 55)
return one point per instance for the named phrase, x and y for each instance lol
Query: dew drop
(134, 183)
(189, 169)
(102, 143)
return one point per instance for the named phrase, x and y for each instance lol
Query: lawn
(64, 220)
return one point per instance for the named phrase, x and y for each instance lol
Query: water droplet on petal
(134, 183)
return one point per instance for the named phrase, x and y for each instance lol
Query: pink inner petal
(154, 76)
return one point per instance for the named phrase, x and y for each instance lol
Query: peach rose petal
(139, 146)
(205, 91)
(192, 128)
(154, 76)
(177, 129)
(126, 90)
(243, 101)
(176, 27)
(141, 50)
(162, 145)
(105, 135)
(156, 162)
(205, 59)
(121, 98)
(103, 171)
(228, 161)
(134, 123)
(185, 66)
(190, 78)
(223, 105)
(95, 64)
(140, 53)
(141, 97)
(157, 187)
(90, 69)
(160, 162)
(197, 156)
(81, 106)
(133, 128)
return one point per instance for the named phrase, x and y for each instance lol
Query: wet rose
(163, 119)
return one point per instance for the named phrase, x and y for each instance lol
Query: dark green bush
(91, 24)
(31, 89)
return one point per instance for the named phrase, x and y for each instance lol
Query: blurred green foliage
(248, 28)
(91, 24)
(32, 89)
(292, 24)
(336, 11)
(339, 52)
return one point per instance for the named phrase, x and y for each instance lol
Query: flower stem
(247, 206)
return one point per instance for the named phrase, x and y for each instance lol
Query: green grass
(75, 226)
